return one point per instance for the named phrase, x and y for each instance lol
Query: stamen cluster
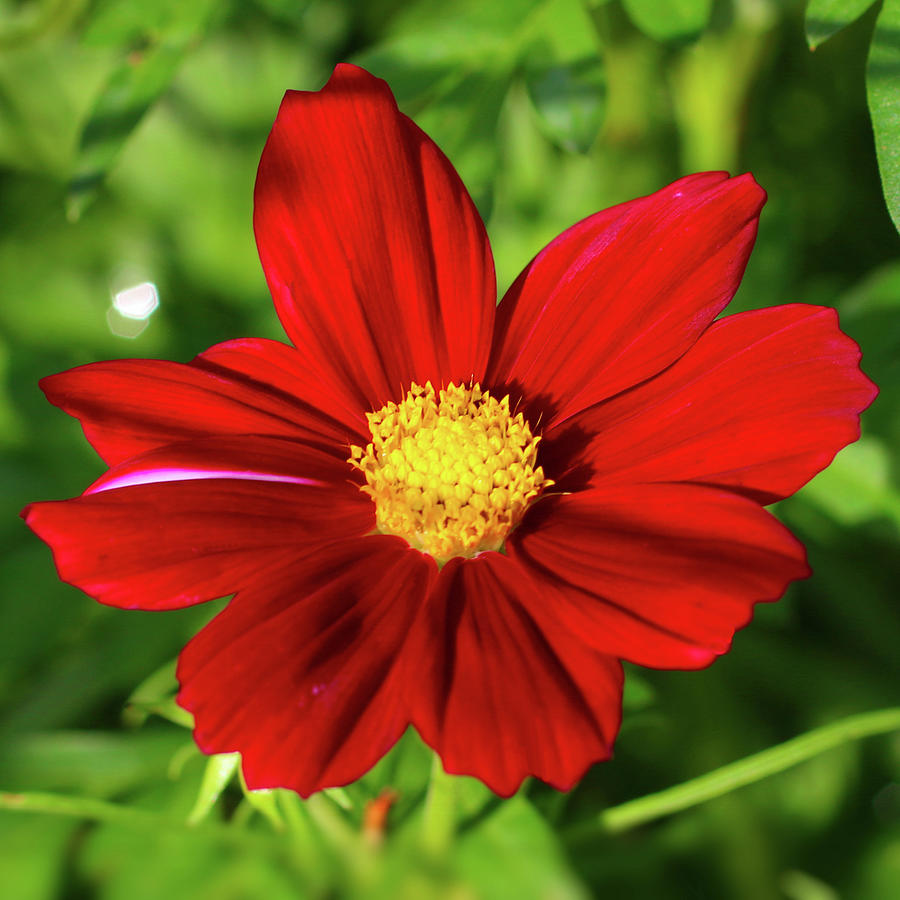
(452, 472)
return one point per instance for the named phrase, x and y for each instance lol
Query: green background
(129, 139)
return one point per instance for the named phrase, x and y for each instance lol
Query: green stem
(737, 774)
(439, 819)
(104, 811)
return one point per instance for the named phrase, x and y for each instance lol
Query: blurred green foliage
(129, 138)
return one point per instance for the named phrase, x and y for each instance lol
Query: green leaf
(870, 314)
(883, 89)
(463, 123)
(120, 814)
(30, 851)
(22, 24)
(137, 712)
(220, 769)
(158, 687)
(639, 693)
(429, 48)
(45, 94)
(340, 797)
(451, 65)
(565, 77)
(666, 20)
(826, 17)
(156, 38)
(91, 762)
(857, 487)
(264, 801)
(121, 859)
(513, 852)
(569, 100)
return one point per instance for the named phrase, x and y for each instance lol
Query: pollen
(450, 471)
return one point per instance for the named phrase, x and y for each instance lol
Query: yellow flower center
(451, 472)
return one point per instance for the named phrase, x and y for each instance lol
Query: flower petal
(660, 575)
(301, 673)
(129, 406)
(760, 404)
(285, 371)
(376, 257)
(169, 529)
(499, 697)
(621, 295)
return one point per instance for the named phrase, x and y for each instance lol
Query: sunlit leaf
(154, 44)
(569, 101)
(29, 851)
(45, 93)
(340, 797)
(263, 801)
(220, 769)
(826, 17)
(429, 47)
(565, 76)
(138, 711)
(450, 65)
(463, 121)
(883, 89)
(857, 487)
(668, 19)
(871, 314)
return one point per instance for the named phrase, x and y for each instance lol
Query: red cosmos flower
(407, 554)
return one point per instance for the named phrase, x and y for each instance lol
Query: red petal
(621, 295)
(169, 529)
(374, 252)
(498, 696)
(129, 406)
(262, 364)
(301, 673)
(661, 575)
(761, 403)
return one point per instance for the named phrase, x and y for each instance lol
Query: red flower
(524, 572)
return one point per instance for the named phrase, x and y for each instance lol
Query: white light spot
(138, 301)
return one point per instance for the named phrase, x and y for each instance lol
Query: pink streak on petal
(156, 476)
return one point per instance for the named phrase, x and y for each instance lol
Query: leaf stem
(104, 811)
(439, 818)
(745, 771)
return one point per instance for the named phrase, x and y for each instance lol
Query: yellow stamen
(451, 472)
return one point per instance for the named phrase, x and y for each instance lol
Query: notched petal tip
(659, 588)
(564, 333)
(867, 389)
(348, 75)
(486, 666)
(302, 673)
(374, 252)
(760, 404)
(755, 193)
(347, 79)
